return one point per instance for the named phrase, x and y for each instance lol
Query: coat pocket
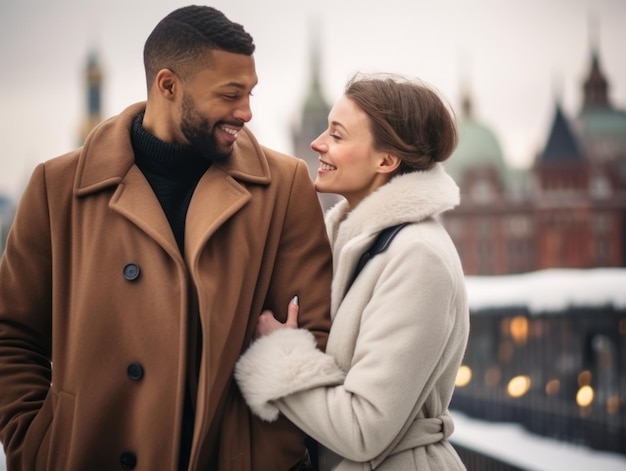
(37, 437)
(51, 433)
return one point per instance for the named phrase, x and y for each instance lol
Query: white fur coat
(378, 398)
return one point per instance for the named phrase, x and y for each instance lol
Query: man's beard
(198, 131)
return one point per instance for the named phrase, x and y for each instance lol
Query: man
(138, 264)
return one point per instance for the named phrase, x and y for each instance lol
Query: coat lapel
(107, 160)
(216, 198)
(219, 194)
(135, 200)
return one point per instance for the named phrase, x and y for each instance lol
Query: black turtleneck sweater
(173, 172)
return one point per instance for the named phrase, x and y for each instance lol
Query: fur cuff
(282, 363)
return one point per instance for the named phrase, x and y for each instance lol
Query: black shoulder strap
(380, 245)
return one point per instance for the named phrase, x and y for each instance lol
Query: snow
(552, 290)
(514, 445)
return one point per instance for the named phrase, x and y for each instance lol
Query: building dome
(602, 123)
(477, 145)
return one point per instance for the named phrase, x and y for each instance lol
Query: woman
(378, 398)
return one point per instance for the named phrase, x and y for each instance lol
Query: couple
(138, 265)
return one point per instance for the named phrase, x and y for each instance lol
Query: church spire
(315, 106)
(465, 89)
(562, 144)
(595, 87)
(314, 117)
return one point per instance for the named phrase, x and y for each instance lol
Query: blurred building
(93, 116)
(313, 121)
(568, 210)
(93, 96)
(557, 370)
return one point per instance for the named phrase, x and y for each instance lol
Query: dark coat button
(128, 460)
(135, 371)
(131, 271)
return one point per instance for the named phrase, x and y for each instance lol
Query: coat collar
(411, 197)
(107, 160)
(107, 155)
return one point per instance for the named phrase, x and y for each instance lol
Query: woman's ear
(389, 163)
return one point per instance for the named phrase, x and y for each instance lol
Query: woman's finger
(292, 313)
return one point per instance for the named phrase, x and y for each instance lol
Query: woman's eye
(335, 136)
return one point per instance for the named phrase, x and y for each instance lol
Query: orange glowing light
(552, 387)
(518, 386)
(463, 376)
(612, 405)
(584, 378)
(584, 397)
(519, 329)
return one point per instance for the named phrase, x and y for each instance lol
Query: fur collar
(411, 197)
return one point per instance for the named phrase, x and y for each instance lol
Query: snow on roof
(516, 446)
(550, 290)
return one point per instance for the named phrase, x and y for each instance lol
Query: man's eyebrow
(239, 85)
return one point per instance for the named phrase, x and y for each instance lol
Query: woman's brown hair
(407, 119)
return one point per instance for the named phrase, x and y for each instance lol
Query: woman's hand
(267, 322)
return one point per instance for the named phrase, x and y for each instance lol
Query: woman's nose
(318, 145)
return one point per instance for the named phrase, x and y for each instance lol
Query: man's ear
(166, 84)
(389, 163)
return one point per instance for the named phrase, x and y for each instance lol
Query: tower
(93, 89)
(313, 122)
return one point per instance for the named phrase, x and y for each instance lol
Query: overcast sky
(516, 56)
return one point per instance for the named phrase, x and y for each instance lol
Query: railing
(605, 435)
(476, 461)
(505, 446)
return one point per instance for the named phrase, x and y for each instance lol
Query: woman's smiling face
(349, 163)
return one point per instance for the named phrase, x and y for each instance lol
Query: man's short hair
(179, 40)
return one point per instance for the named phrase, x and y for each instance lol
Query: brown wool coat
(254, 238)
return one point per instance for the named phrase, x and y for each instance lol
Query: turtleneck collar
(160, 157)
